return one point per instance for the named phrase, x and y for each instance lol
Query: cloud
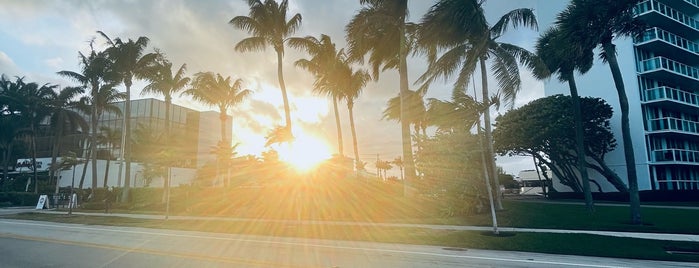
(8, 66)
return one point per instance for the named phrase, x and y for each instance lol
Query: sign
(27, 165)
(43, 202)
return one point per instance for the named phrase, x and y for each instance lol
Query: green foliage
(453, 169)
(18, 199)
(542, 128)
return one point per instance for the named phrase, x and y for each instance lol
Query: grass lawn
(576, 244)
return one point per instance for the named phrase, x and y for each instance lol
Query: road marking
(127, 250)
(316, 245)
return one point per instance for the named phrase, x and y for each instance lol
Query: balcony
(670, 98)
(671, 124)
(664, 69)
(675, 156)
(667, 44)
(659, 14)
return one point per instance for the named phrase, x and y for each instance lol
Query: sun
(305, 152)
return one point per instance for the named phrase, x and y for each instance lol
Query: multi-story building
(660, 69)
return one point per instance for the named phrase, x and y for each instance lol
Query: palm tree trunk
(224, 142)
(6, 165)
(282, 86)
(634, 199)
(127, 144)
(106, 172)
(340, 146)
(580, 142)
(489, 134)
(58, 136)
(166, 181)
(93, 147)
(33, 144)
(82, 176)
(350, 106)
(404, 121)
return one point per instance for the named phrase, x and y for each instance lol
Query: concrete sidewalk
(654, 236)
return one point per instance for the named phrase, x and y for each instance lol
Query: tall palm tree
(164, 82)
(380, 29)
(322, 65)
(592, 23)
(470, 41)
(224, 93)
(13, 123)
(267, 23)
(416, 114)
(129, 61)
(561, 58)
(111, 138)
(65, 119)
(32, 103)
(95, 73)
(103, 101)
(351, 83)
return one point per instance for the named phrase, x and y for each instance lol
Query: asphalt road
(43, 244)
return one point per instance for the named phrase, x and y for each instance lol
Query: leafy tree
(452, 167)
(460, 28)
(380, 29)
(267, 23)
(592, 23)
(461, 113)
(416, 114)
(561, 58)
(542, 129)
(128, 61)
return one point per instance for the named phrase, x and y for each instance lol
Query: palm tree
(103, 101)
(399, 163)
(268, 26)
(32, 102)
(592, 23)
(164, 82)
(470, 41)
(215, 90)
(562, 58)
(322, 65)
(65, 118)
(380, 29)
(96, 74)
(416, 115)
(350, 83)
(458, 115)
(110, 138)
(13, 123)
(129, 61)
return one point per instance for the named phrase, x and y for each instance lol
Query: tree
(460, 28)
(97, 75)
(65, 118)
(452, 167)
(399, 163)
(13, 123)
(380, 29)
(129, 61)
(592, 23)
(31, 102)
(459, 114)
(350, 83)
(164, 82)
(69, 161)
(561, 58)
(212, 89)
(110, 138)
(416, 114)
(323, 66)
(267, 23)
(542, 128)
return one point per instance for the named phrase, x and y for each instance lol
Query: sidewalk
(654, 236)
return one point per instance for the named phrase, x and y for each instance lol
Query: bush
(19, 198)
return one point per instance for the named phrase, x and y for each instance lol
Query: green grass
(577, 244)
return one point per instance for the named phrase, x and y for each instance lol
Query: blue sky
(39, 38)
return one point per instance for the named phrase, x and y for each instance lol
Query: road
(41, 244)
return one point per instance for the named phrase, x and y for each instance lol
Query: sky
(39, 38)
